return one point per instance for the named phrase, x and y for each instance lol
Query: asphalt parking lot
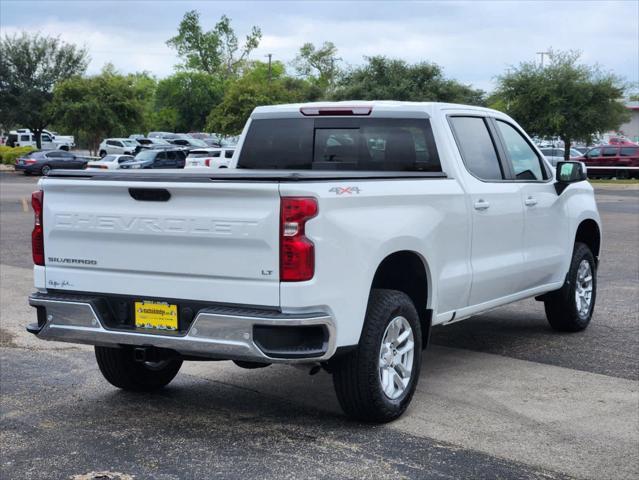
(501, 395)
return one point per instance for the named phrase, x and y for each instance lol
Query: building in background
(630, 130)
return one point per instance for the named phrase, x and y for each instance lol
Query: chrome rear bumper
(216, 332)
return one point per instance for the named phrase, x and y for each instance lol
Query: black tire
(64, 148)
(561, 306)
(120, 369)
(45, 170)
(102, 154)
(356, 375)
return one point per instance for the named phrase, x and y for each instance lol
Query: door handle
(481, 204)
(530, 202)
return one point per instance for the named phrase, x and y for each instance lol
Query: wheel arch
(408, 272)
(588, 232)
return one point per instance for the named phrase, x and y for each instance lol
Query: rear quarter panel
(354, 232)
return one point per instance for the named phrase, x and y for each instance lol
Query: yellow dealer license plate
(157, 315)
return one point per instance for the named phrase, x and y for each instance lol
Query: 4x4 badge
(345, 190)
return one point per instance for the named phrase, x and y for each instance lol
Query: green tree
(192, 96)
(104, 105)
(383, 78)
(320, 65)
(30, 67)
(253, 89)
(564, 98)
(216, 52)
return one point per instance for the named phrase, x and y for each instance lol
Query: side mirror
(569, 172)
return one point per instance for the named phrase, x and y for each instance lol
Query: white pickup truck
(48, 140)
(345, 233)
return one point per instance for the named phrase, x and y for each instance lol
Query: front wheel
(120, 368)
(570, 308)
(46, 169)
(376, 381)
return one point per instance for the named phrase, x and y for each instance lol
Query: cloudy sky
(472, 41)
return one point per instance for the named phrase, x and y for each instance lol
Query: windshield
(198, 143)
(145, 155)
(369, 144)
(109, 158)
(129, 143)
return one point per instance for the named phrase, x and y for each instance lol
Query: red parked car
(612, 156)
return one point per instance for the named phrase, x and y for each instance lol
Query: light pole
(542, 57)
(270, 56)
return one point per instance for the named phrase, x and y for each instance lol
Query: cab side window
(524, 160)
(476, 147)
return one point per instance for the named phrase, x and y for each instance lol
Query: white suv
(118, 146)
(210, 157)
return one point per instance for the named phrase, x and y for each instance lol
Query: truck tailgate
(213, 241)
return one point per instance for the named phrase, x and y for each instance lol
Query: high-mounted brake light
(297, 253)
(336, 111)
(37, 236)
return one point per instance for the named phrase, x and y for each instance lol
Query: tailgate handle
(150, 194)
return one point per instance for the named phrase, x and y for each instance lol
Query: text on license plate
(158, 315)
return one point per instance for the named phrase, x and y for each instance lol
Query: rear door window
(370, 144)
(476, 147)
(609, 152)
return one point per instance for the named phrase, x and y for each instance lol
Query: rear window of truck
(369, 144)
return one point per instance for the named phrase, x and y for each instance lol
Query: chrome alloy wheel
(583, 288)
(396, 357)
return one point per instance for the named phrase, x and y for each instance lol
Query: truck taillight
(297, 253)
(207, 162)
(37, 236)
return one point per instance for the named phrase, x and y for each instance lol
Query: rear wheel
(570, 308)
(45, 170)
(102, 153)
(120, 368)
(377, 380)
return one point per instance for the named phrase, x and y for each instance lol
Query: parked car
(110, 162)
(189, 143)
(612, 156)
(212, 141)
(621, 142)
(554, 155)
(158, 134)
(48, 141)
(150, 142)
(210, 157)
(41, 162)
(118, 146)
(373, 223)
(160, 158)
(200, 135)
